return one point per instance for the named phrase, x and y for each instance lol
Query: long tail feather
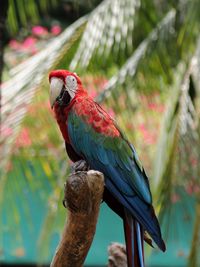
(142, 212)
(134, 241)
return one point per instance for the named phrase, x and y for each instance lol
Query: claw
(80, 165)
(64, 203)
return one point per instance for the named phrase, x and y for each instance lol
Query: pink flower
(150, 138)
(23, 139)
(156, 107)
(142, 128)
(14, 44)
(29, 43)
(39, 30)
(56, 29)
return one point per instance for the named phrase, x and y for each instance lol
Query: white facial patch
(56, 86)
(71, 85)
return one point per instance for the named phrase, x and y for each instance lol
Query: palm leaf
(176, 166)
(194, 259)
(129, 69)
(110, 27)
(166, 146)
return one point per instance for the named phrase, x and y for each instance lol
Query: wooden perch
(83, 195)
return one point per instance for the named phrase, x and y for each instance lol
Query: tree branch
(83, 195)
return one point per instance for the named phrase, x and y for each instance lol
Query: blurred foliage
(23, 14)
(140, 59)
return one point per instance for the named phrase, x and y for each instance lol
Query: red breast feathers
(95, 116)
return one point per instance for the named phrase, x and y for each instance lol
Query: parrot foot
(80, 165)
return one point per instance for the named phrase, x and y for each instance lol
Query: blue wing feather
(124, 177)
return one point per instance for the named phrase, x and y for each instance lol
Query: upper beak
(56, 85)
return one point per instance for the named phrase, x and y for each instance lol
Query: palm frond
(177, 171)
(168, 131)
(176, 168)
(196, 68)
(109, 28)
(129, 69)
(194, 258)
(179, 144)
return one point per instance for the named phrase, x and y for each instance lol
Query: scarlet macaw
(90, 134)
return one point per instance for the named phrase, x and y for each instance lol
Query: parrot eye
(71, 85)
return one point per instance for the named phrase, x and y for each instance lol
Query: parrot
(91, 135)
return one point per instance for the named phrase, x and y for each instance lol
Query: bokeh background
(140, 59)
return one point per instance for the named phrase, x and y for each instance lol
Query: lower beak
(52, 99)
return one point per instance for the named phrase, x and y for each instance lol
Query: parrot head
(64, 85)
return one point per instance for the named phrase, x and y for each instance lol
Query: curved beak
(56, 85)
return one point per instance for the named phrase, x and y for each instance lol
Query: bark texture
(83, 195)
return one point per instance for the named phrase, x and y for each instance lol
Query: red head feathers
(62, 74)
(64, 86)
